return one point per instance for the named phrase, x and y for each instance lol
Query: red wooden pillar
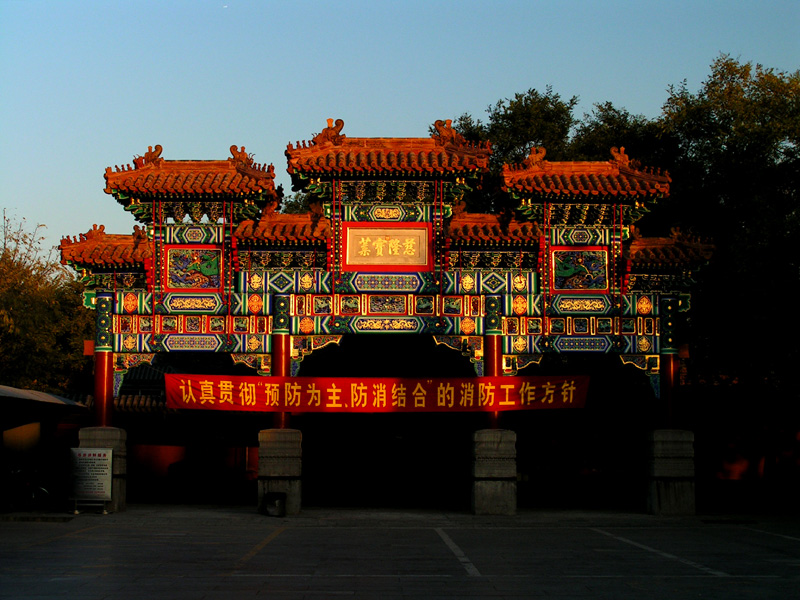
(104, 359)
(492, 355)
(103, 387)
(281, 367)
(668, 372)
(493, 366)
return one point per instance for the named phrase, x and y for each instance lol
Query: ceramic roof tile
(151, 175)
(97, 248)
(484, 228)
(678, 249)
(308, 227)
(445, 152)
(618, 178)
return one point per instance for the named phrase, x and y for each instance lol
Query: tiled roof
(618, 178)
(679, 249)
(96, 247)
(445, 152)
(483, 228)
(153, 176)
(280, 227)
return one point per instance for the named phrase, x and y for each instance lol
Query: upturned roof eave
(152, 177)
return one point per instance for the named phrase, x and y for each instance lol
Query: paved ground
(194, 552)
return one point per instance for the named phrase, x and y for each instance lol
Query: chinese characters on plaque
(373, 394)
(401, 247)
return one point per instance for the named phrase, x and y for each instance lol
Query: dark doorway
(579, 458)
(387, 355)
(583, 458)
(389, 460)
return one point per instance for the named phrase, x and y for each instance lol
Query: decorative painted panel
(563, 304)
(580, 236)
(193, 268)
(579, 270)
(194, 234)
(383, 282)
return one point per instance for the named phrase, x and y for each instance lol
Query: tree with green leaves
(736, 176)
(733, 150)
(295, 204)
(514, 126)
(518, 124)
(42, 320)
(607, 126)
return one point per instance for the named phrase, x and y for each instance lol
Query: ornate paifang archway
(386, 247)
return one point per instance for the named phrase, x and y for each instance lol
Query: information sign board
(91, 474)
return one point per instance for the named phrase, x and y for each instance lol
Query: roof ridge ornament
(536, 157)
(151, 157)
(619, 157)
(239, 156)
(246, 160)
(445, 134)
(331, 134)
(95, 232)
(622, 161)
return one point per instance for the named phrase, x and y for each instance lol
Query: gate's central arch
(388, 248)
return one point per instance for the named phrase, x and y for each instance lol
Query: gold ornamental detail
(130, 303)
(387, 213)
(580, 305)
(520, 305)
(253, 343)
(256, 281)
(306, 281)
(129, 342)
(255, 303)
(183, 303)
(386, 324)
(644, 306)
(306, 325)
(467, 326)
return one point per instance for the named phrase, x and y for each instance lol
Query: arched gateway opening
(388, 459)
(386, 347)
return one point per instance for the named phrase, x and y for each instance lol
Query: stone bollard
(114, 438)
(494, 487)
(671, 478)
(279, 467)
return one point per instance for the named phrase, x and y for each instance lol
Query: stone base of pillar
(494, 487)
(279, 470)
(114, 438)
(671, 486)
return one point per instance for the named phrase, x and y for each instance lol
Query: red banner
(373, 394)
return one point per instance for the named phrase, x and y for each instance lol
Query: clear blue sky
(86, 85)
